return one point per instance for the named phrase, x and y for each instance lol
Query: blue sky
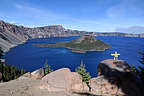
(88, 15)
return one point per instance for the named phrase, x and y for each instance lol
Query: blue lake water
(31, 58)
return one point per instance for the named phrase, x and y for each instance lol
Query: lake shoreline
(30, 57)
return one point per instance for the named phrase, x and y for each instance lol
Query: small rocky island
(81, 45)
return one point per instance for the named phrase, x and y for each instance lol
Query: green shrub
(47, 68)
(85, 75)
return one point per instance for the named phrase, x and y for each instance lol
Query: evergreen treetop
(82, 71)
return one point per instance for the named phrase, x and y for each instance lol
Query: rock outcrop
(63, 80)
(25, 76)
(115, 78)
(38, 74)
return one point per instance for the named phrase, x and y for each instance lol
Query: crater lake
(30, 57)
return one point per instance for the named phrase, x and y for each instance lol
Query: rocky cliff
(12, 35)
(115, 78)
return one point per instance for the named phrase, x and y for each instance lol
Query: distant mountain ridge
(117, 34)
(12, 35)
(135, 29)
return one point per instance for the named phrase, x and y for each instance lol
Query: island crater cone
(81, 45)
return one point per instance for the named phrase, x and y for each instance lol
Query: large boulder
(115, 78)
(102, 87)
(113, 68)
(63, 80)
(25, 76)
(38, 74)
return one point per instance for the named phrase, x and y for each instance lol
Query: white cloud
(133, 29)
(125, 8)
(19, 6)
(12, 22)
(50, 16)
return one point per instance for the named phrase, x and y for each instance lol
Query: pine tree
(22, 71)
(134, 69)
(142, 59)
(1, 63)
(47, 68)
(9, 72)
(140, 70)
(82, 71)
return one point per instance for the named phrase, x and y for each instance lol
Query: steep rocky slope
(12, 35)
